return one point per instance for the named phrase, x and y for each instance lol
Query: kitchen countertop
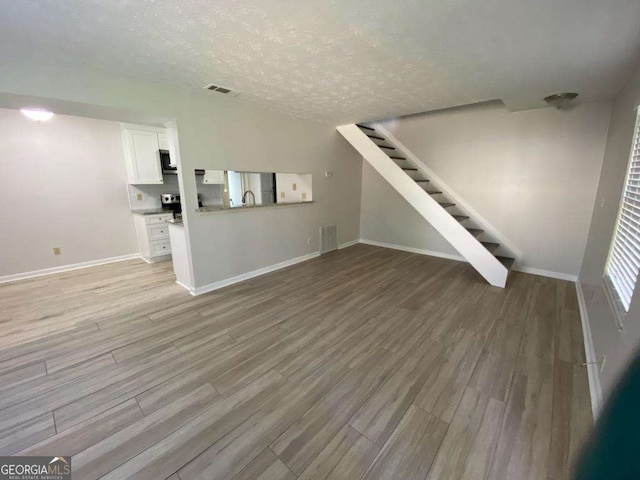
(175, 221)
(219, 209)
(150, 211)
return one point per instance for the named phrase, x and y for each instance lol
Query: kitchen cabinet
(141, 152)
(213, 177)
(153, 236)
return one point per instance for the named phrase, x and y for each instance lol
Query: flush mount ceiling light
(36, 114)
(560, 100)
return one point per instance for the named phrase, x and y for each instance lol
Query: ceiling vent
(219, 89)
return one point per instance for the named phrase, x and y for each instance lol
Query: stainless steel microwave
(167, 168)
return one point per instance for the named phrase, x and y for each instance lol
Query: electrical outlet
(139, 196)
(294, 186)
(603, 360)
(56, 250)
(304, 195)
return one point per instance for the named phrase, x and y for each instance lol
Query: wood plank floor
(363, 363)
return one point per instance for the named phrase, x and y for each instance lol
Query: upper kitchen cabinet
(141, 151)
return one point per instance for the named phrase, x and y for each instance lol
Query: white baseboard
(432, 253)
(547, 273)
(152, 260)
(421, 251)
(595, 387)
(349, 244)
(246, 276)
(66, 268)
(261, 271)
(186, 287)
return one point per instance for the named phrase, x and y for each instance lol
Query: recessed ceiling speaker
(560, 100)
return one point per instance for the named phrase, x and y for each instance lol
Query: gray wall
(220, 133)
(532, 175)
(616, 346)
(63, 184)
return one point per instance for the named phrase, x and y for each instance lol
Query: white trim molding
(66, 268)
(349, 244)
(547, 273)
(246, 276)
(421, 251)
(595, 387)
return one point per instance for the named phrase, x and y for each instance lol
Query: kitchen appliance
(167, 168)
(171, 202)
(165, 161)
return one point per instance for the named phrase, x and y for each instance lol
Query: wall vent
(328, 238)
(219, 89)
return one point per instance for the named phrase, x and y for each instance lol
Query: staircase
(450, 220)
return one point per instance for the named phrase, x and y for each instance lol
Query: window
(624, 258)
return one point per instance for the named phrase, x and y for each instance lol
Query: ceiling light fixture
(37, 114)
(560, 100)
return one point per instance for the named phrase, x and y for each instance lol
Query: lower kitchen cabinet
(153, 236)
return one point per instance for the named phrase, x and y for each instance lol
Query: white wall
(616, 346)
(63, 184)
(219, 133)
(532, 175)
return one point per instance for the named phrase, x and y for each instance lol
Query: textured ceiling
(341, 61)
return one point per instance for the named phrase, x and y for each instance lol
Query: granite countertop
(221, 209)
(150, 211)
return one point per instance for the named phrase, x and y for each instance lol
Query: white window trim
(617, 307)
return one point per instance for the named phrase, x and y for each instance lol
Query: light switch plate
(294, 186)
(281, 194)
(139, 196)
(56, 250)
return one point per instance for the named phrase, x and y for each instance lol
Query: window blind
(624, 257)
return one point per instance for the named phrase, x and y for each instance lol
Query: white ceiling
(341, 61)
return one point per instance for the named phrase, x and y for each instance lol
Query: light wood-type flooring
(363, 363)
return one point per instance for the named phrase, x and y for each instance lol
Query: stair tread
(365, 127)
(475, 231)
(460, 218)
(447, 205)
(506, 261)
(490, 245)
(375, 137)
(433, 192)
(422, 181)
(386, 147)
(398, 158)
(409, 168)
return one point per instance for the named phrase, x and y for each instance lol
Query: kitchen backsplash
(151, 193)
(210, 195)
